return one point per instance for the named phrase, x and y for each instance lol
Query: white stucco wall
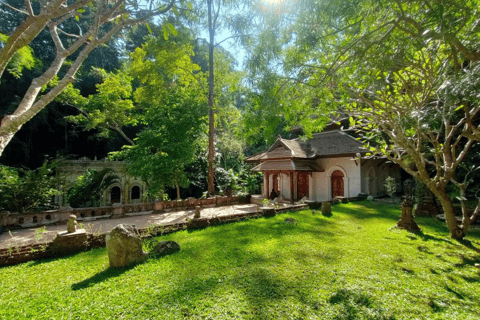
(322, 182)
(284, 185)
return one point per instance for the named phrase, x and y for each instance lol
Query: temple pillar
(292, 190)
(267, 185)
(346, 187)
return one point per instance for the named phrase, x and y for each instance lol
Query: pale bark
(53, 13)
(456, 231)
(122, 134)
(33, 25)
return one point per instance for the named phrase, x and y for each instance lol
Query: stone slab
(132, 214)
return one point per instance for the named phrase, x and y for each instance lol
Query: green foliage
(112, 101)
(23, 190)
(23, 59)
(227, 180)
(111, 108)
(252, 181)
(390, 186)
(88, 188)
(352, 265)
(170, 142)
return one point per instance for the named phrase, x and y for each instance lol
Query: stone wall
(37, 219)
(68, 244)
(70, 170)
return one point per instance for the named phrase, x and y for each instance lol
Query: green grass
(353, 265)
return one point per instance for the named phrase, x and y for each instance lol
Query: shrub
(89, 187)
(390, 186)
(24, 190)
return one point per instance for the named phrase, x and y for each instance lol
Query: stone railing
(37, 219)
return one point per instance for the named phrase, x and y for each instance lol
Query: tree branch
(28, 5)
(15, 9)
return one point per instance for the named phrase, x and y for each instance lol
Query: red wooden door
(337, 184)
(302, 185)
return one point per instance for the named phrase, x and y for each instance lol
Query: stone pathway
(23, 237)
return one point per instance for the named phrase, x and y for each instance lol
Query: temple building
(127, 190)
(330, 165)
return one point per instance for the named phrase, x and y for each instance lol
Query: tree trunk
(11, 124)
(30, 105)
(456, 231)
(211, 136)
(21, 36)
(178, 193)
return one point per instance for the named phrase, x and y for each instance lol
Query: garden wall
(67, 244)
(37, 219)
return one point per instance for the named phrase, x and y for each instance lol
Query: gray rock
(370, 198)
(165, 248)
(291, 220)
(124, 246)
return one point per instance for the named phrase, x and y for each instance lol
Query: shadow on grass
(469, 244)
(355, 304)
(94, 253)
(467, 261)
(376, 210)
(470, 279)
(243, 230)
(100, 277)
(368, 210)
(455, 292)
(429, 237)
(235, 252)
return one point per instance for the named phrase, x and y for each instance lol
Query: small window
(135, 192)
(115, 195)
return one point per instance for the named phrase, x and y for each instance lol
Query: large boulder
(165, 248)
(124, 246)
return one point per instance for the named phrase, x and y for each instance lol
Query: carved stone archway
(116, 194)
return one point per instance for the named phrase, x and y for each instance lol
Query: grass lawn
(353, 265)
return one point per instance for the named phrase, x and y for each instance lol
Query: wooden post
(267, 182)
(292, 192)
